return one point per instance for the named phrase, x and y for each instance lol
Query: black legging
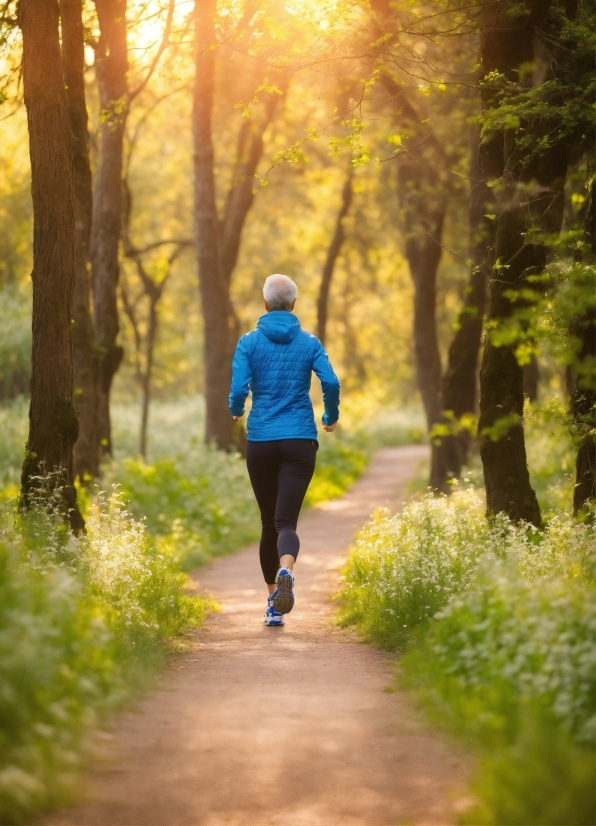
(280, 473)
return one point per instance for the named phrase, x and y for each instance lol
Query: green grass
(341, 459)
(83, 623)
(403, 568)
(498, 625)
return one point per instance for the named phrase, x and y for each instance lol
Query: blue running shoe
(283, 596)
(271, 615)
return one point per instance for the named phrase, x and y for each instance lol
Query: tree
(459, 386)
(218, 239)
(333, 252)
(85, 353)
(423, 200)
(519, 73)
(53, 422)
(152, 287)
(111, 71)
(115, 97)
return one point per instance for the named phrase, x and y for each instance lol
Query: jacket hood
(280, 326)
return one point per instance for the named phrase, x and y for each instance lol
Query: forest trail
(290, 726)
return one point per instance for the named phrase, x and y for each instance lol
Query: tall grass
(498, 622)
(82, 622)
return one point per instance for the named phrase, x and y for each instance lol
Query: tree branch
(165, 42)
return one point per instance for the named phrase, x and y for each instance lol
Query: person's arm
(241, 377)
(329, 383)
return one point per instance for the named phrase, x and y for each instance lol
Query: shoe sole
(274, 623)
(283, 601)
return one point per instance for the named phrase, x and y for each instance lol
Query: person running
(275, 363)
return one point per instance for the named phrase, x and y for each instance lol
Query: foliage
(500, 621)
(13, 426)
(340, 461)
(198, 504)
(560, 103)
(403, 568)
(551, 446)
(82, 622)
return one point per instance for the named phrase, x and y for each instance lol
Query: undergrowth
(83, 622)
(498, 624)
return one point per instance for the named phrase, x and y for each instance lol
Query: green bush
(539, 778)
(82, 622)
(501, 625)
(403, 568)
(195, 506)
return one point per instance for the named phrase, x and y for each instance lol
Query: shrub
(195, 507)
(403, 568)
(81, 622)
(503, 652)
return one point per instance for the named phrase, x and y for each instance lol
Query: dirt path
(261, 726)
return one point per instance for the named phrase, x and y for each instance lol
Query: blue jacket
(275, 363)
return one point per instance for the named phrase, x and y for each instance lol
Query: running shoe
(272, 617)
(283, 596)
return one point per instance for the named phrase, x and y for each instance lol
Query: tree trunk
(584, 398)
(53, 422)
(530, 378)
(531, 199)
(218, 241)
(459, 389)
(332, 254)
(423, 199)
(85, 354)
(423, 214)
(214, 292)
(423, 257)
(111, 69)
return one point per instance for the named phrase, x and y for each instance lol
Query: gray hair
(279, 292)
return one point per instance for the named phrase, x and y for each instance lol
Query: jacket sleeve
(329, 383)
(241, 378)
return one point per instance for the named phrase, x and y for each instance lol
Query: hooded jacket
(275, 363)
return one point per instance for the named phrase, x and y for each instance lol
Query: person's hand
(329, 428)
(236, 418)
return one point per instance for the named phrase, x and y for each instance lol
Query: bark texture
(85, 353)
(218, 239)
(339, 236)
(53, 422)
(459, 388)
(111, 68)
(531, 199)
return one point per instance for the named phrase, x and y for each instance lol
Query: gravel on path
(291, 726)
